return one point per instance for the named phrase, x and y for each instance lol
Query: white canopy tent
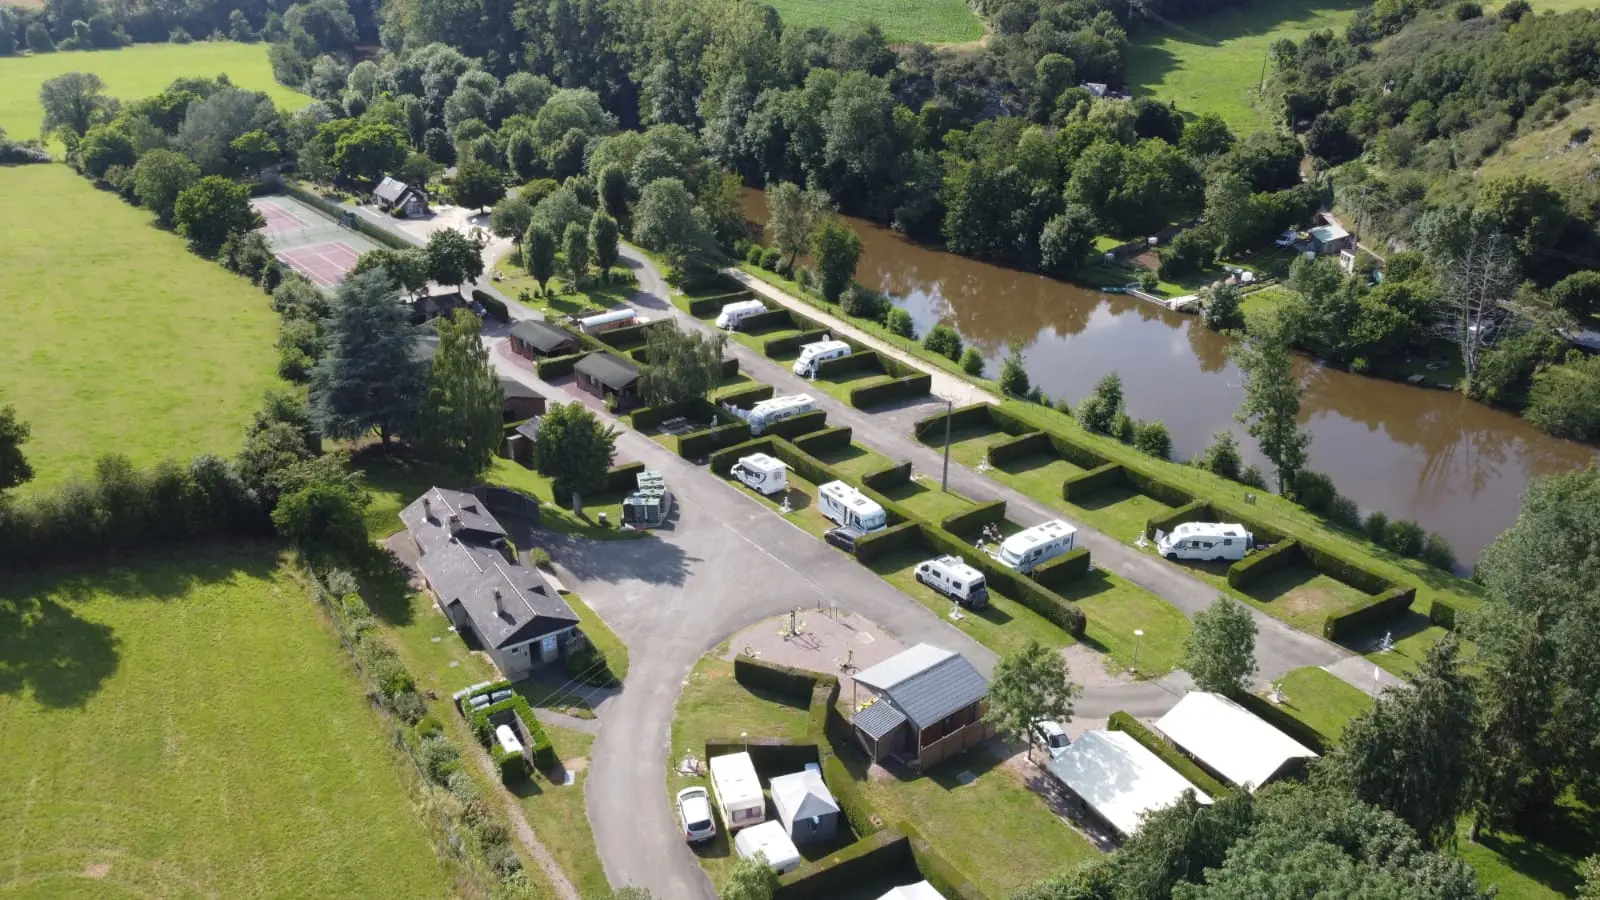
(1119, 779)
(919, 891)
(1230, 740)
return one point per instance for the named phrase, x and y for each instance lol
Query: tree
(972, 362)
(1272, 397)
(75, 100)
(898, 322)
(943, 340)
(667, 220)
(1412, 752)
(612, 186)
(407, 270)
(1153, 439)
(324, 522)
(510, 218)
(1230, 212)
(1590, 868)
(370, 152)
(159, 177)
(603, 243)
(1065, 243)
(1565, 400)
(835, 249)
(478, 185)
(14, 467)
(1100, 409)
(575, 245)
(38, 36)
(574, 450)
(1030, 686)
(1013, 373)
(1220, 652)
(453, 258)
(254, 151)
(1222, 457)
(680, 365)
(103, 147)
(1577, 294)
(367, 378)
(751, 879)
(539, 254)
(212, 210)
(1476, 285)
(459, 419)
(1223, 309)
(792, 215)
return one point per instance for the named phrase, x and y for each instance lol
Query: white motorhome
(806, 364)
(738, 790)
(955, 579)
(846, 506)
(1210, 541)
(734, 313)
(764, 414)
(1028, 549)
(764, 474)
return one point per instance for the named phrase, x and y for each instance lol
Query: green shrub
(848, 795)
(1006, 581)
(772, 259)
(931, 429)
(557, 366)
(789, 347)
(624, 477)
(938, 871)
(943, 340)
(1376, 526)
(1367, 615)
(878, 544)
(438, 757)
(859, 361)
(785, 681)
(1014, 374)
(898, 322)
(1222, 457)
(493, 304)
(753, 254)
(969, 523)
(513, 767)
(1404, 537)
(722, 461)
(646, 418)
(1253, 477)
(910, 386)
(427, 725)
(589, 666)
(886, 479)
(1341, 569)
(702, 443)
(768, 321)
(1438, 553)
(1123, 428)
(1344, 512)
(1442, 614)
(1313, 490)
(1274, 715)
(1152, 439)
(544, 755)
(972, 362)
(709, 307)
(795, 426)
(1019, 447)
(1172, 756)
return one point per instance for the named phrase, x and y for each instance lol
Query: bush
(772, 259)
(943, 340)
(1274, 715)
(1152, 439)
(1313, 490)
(869, 860)
(1253, 477)
(702, 443)
(898, 322)
(1438, 553)
(1222, 457)
(1014, 374)
(1469, 10)
(786, 347)
(1344, 511)
(1376, 526)
(1064, 569)
(1123, 428)
(588, 665)
(748, 397)
(753, 254)
(493, 305)
(862, 302)
(1442, 614)
(513, 767)
(795, 426)
(972, 362)
(438, 757)
(428, 725)
(1076, 487)
(969, 523)
(1250, 569)
(556, 366)
(409, 706)
(881, 543)
(1405, 538)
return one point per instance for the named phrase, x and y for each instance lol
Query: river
(1453, 465)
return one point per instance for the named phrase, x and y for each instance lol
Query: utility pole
(949, 411)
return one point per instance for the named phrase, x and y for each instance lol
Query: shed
(1230, 741)
(533, 339)
(1330, 239)
(737, 790)
(609, 377)
(930, 704)
(922, 890)
(393, 195)
(772, 842)
(1118, 779)
(805, 806)
(518, 402)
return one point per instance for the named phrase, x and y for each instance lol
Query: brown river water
(1456, 466)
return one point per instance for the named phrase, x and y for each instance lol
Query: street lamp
(1138, 633)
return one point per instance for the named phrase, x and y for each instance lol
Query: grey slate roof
(530, 428)
(926, 683)
(802, 795)
(510, 387)
(390, 191)
(611, 371)
(506, 603)
(541, 336)
(878, 719)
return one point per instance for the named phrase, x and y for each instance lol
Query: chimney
(455, 524)
(499, 603)
(427, 509)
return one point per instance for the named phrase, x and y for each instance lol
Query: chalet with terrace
(533, 339)
(929, 706)
(610, 378)
(511, 610)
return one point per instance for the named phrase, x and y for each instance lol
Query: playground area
(308, 241)
(830, 640)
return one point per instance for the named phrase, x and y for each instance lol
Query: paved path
(1368, 677)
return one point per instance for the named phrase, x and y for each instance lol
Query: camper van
(610, 320)
(1210, 541)
(806, 365)
(763, 414)
(764, 474)
(734, 313)
(955, 579)
(1027, 550)
(849, 507)
(738, 791)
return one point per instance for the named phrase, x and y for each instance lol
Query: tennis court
(310, 242)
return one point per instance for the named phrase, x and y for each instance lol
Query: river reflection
(1456, 466)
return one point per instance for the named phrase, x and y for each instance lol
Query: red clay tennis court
(279, 219)
(325, 263)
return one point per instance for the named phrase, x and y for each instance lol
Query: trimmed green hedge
(709, 307)
(624, 477)
(1278, 718)
(1172, 756)
(1030, 444)
(629, 337)
(1250, 569)
(892, 477)
(493, 304)
(1074, 488)
(640, 355)
(969, 523)
(722, 461)
(931, 428)
(848, 796)
(804, 464)
(842, 365)
(647, 417)
(937, 870)
(905, 388)
(1156, 489)
(786, 347)
(767, 321)
(1040, 599)
(557, 366)
(513, 766)
(1341, 569)
(748, 397)
(787, 681)
(771, 756)
(702, 443)
(794, 426)
(1064, 569)
(730, 367)
(1011, 423)
(893, 539)
(828, 439)
(1442, 614)
(544, 755)
(875, 857)
(1198, 511)
(1387, 605)
(1077, 454)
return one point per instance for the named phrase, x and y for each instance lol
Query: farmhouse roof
(1230, 739)
(1118, 778)
(541, 336)
(611, 371)
(926, 683)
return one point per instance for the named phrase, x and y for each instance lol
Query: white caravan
(849, 507)
(738, 790)
(772, 842)
(955, 579)
(811, 354)
(734, 313)
(764, 474)
(1209, 541)
(1027, 550)
(764, 414)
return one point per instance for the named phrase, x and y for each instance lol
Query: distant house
(930, 705)
(533, 339)
(512, 611)
(1330, 239)
(1103, 91)
(805, 806)
(398, 197)
(1117, 781)
(1231, 742)
(608, 376)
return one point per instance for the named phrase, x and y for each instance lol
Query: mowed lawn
(191, 729)
(1213, 63)
(116, 338)
(926, 21)
(134, 72)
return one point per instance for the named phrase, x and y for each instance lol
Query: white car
(694, 814)
(1052, 736)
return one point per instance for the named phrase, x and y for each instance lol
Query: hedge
(1198, 511)
(722, 461)
(1250, 569)
(977, 415)
(381, 235)
(938, 871)
(1041, 600)
(840, 365)
(790, 346)
(1278, 718)
(730, 367)
(544, 755)
(824, 441)
(893, 539)
(969, 523)
(513, 766)
(630, 336)
(1011, 423)
(795, 426)
(1341, 569)
(1156, 489)
(647, 417)
(1442, 614)
(624, 477)
(771, 756)
(757, 674)
(892, 477)
(747, 397)
(493, 304)
(1064, 569)
(1030, 444)
(767, 321)
(640, 355)
(1077, 454)
(1387, 605)
(910, 386)
(1188, 768)
(1077, 487)
(872, 859)
(804, 464)
(848, 796)
(702, 443)
(557, 366)
(705, 307)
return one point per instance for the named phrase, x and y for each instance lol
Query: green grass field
(191, 729)
(134, 72)
(926, 21)
(1213, 64)
(117, 339)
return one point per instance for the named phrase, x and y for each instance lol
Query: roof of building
(1229, 739)
(390, 190)
(530, 428)
(771, 841)
(878, 719)
(511, 387)
(612, 371)
(926, 683)
(1118, 778)
(542, 335)
(1327, 233)
(922, 890)
(507, 604)
(802, 795)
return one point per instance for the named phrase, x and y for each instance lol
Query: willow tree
(679, 365)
